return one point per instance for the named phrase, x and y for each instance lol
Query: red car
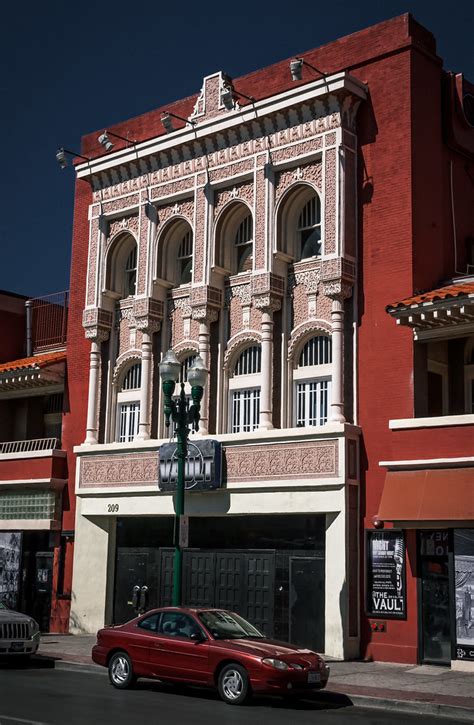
(209, 647)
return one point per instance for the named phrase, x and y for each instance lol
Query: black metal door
(241, 581)
(41, 605)
(136, 582)
(307, 602)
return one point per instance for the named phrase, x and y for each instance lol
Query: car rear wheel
(121, 671)
(233, 684)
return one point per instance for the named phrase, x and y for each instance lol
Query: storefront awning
(442, 494)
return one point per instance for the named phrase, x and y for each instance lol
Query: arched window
(121, 272)
(128, 404)
(130, 273)
(309, 229)
(312, 382)
(175, 253)
(185, 258)
(244, 388)
(234, 234)
(244, 245)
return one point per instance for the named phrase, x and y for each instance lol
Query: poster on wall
(10, 566)
(464, 592)
(386, 596)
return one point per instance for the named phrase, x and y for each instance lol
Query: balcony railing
(36, 444)
(48, 321)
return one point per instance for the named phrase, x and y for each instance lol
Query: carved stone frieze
(180, 303)
(183, 208)
(338, 268)
(242, 291)
(205, 313)
(318, 459)
(267, 302)
(238, 192)
(330, 198)
(125, 224)
(124, 202)
(206, 301)
(309, 278)
(337, 289)
(289, 177)
(97, 323)
(134, 469)
(148, 314)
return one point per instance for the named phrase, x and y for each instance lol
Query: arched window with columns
(175, 253)
(128, 403)
(312, 382)
(244, 391)
(121, 266)
(299, 226)
(234, 239)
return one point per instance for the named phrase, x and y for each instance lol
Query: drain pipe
(29, 327)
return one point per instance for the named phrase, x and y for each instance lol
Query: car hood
(7, 615)
(268, 648)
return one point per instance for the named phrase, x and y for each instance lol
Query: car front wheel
(121, 671)
(233, 684)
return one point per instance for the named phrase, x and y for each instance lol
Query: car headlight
(34, 627)
(277, 664)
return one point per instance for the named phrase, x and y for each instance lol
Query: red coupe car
(209, 647)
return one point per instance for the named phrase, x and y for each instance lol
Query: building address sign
(203, 467)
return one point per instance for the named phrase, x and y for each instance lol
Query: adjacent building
(266, 223)
(36, 505)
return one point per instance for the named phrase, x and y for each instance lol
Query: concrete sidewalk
(422, 689)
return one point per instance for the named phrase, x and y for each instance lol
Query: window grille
(133, 378)
(249, 361)
(312, 402)
(129, 418)
(317, 351)
(54, 403)
(245, 410)
(244, 245)
(185, 258)
(309, 228)
(131, 273)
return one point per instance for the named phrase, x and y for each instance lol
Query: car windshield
(226, 625)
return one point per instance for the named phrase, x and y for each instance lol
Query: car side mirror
(197, 637)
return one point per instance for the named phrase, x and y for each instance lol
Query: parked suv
(19, 634)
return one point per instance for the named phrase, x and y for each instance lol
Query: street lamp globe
(197, 373)
(170, 367)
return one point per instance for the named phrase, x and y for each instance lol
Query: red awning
(441, 494)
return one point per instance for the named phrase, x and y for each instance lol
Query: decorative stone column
(206, 302)
(267, 291)
(97, 324)
(337, 291)
(147, 314)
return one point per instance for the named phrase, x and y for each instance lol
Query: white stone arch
(116, 254)
(185, 348)
(237, 344)
(225, 227)
(287, 211)
(169, 234)
(123, 363)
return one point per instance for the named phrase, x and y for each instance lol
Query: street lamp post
(183, 415)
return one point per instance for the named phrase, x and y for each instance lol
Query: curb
(413, 707)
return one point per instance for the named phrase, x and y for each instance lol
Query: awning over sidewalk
(442, 494)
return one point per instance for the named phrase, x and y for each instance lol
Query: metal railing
(48, 321)
(35, 444)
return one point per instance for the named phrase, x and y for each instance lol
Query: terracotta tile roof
(37, 361)
(442, 293)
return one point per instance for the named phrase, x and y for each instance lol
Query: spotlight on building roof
(61, 158)
(167, 122)
(227, 97)
(105, 141)
(296, 69)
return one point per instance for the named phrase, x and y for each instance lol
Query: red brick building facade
(268, 230)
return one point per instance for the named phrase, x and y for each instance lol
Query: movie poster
(386, 595)
(10, 567)
(464, 585)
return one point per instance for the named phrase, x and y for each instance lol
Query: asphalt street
(44, 694)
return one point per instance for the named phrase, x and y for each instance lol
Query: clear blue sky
(68, 68)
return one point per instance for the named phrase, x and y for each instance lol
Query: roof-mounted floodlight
(61, 156)
(107, 143)
(296, 68)
(167, 121)
(228, 96)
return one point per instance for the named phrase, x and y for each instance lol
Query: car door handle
(157, 646)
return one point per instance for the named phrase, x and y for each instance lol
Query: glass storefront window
(464, 592)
